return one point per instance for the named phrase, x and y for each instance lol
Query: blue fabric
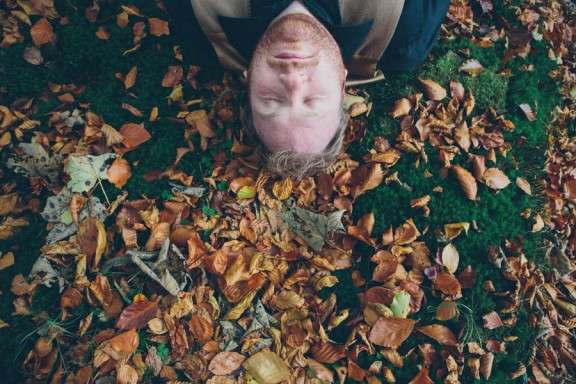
(414, 37)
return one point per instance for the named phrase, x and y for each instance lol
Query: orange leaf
(446, 310)
(440, 333)
(447, 283)
(391, 332)
(134, 135)
(173, 76)
(137, 315)
(119, 172)
(42, 32)
(130, 78)
(201, 328)
(158, 27)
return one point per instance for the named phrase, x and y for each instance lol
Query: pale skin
(296, 81)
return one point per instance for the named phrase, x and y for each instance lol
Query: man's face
(296, 80)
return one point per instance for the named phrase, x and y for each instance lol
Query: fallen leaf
(422, 377)
(492, 320)
(42, 32)
(86, 171)
(527, 109)
(137, 315)
(440, 333)
(130, 78)
(401, 108)
(391, 332)
(225, 363)
(496, 179)
(433, 90)
(472, 67)
(486, 363)
(447, 284)
(119, 172)
(7, 260)
(200, 120)
(467, 182)
(450, 258)
(524, 185)
(134, 135)
(33, 55)
(126, 374)
(173, 76)
(267, 367)
(447, 310)
(158, 27)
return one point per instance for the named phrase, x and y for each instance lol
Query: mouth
(292, 56)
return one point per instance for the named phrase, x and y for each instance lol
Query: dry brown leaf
(433, 90)
(158, 27)
(492, 320)
(450, 258)
(120, 347)
(70, 298)
(448, 284)
(200, 120)
(201, 328)
(7, 260)
(462, 136)
(137, 315)
(440, 333)
(457, 90)
(92, 240)
(486, 363)
(391, 332)
(524, 185)
(401, 108)
(102, 33)
(467, 182)
(33, 55)
(422, 377)
(283, 189)
(42, 32)
(130, 78)
(119, 172)
(134, 135)
(328, 353)
(173, 76)
(447, 310)
(225, 363)
(367, 178)
(126, 374)
(496, 179)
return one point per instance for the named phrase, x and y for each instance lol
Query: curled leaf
(440, 333)
(467, 182)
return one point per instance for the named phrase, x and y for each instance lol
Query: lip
(292, 56)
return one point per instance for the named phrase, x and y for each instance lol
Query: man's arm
(415, 35)
(197, 48)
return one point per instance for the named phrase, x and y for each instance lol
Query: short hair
(293, 163)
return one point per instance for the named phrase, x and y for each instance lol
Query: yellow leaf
(238, 310)
(7, 260)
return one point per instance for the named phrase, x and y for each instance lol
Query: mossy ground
(79, 57)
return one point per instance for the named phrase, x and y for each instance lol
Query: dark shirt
(414, 36)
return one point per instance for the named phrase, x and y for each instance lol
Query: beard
(297, 32)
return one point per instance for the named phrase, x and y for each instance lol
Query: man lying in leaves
(296, 57)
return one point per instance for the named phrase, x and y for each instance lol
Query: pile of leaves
(186, 261)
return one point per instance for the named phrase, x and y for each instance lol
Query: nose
(293, 79)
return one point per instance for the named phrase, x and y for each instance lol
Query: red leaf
(137, 315)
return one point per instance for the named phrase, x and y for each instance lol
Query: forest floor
(439, 248)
